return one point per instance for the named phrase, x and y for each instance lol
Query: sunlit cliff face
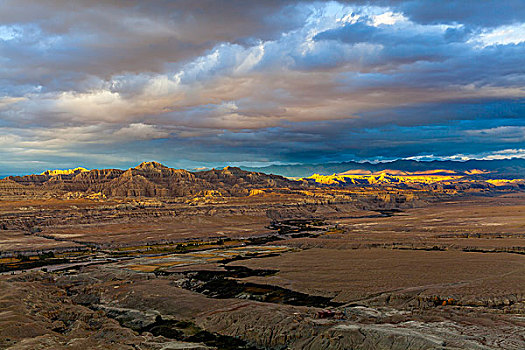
(195, 83)
(385, 177)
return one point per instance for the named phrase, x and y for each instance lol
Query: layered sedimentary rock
(149, 179)
(152, 179)
(434, 180)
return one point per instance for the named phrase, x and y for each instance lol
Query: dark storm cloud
(59, 44)
(104, 83)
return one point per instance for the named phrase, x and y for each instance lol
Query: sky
(201, 83)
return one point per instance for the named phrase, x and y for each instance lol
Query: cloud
(7, 101)
(503, 35)
(140, 131)
(259, 80)
(496, 155)
(511, 134)
(101, 38)
(489, 13)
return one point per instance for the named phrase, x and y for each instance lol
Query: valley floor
(263, 272)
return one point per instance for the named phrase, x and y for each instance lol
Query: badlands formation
(158, 258)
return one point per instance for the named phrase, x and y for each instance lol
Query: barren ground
(257, 272)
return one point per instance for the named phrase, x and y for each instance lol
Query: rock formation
(149, 179)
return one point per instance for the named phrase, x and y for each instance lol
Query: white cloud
(9, 32)
(388, 18)
(505, 35)
(493, 155)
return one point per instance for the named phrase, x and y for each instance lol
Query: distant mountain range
(512, 168)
